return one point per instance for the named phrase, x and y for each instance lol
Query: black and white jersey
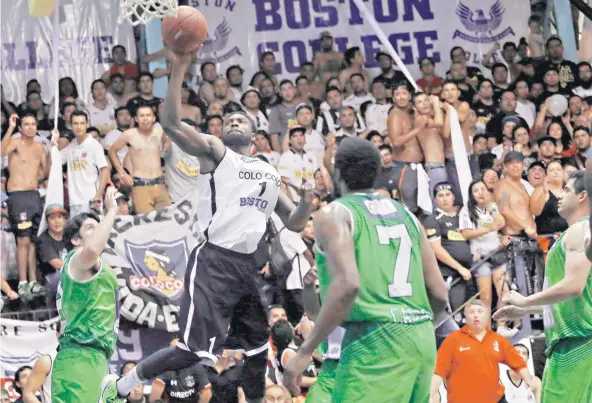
(235, 200)
(515, 393)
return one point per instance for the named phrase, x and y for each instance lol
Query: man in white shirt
(315, 142)
(359, 95)
(124, 121)
(296, 166)
(88, 172)
(347, 122)
(375, 113)
(251, 101)
(525, 108)
(101, 113)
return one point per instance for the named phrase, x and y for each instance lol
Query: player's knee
(254, 375)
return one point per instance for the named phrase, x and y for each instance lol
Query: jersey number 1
(400, 287)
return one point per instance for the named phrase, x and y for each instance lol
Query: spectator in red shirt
(429, 83)
(468, 361)
(121, 65)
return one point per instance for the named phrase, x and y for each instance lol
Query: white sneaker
(109, 390)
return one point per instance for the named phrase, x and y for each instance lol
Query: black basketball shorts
(222, 307)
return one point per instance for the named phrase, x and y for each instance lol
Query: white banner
(240, 30)
(89, 30)
(149, 254)
(22, 342)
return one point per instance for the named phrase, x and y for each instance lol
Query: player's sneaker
(24, 291)
(37, 289)
(109, 390)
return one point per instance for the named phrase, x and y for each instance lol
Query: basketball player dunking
(222, 307)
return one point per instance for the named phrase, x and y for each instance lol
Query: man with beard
(388, 74)
(485, 107)
(407, 155)
(507, 107)
(117, 90)
(234, 75)
(359, 94)
(269, 95)
(581, 139)
(584, 83)
(567, 69)
(222, 91)
(222, 306)
(327, 61)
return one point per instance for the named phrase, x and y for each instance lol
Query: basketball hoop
(141, 11)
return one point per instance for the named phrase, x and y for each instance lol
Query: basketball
(186, 31)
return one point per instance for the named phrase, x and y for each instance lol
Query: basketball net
(142, 11)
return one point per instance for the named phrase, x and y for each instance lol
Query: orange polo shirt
(470, 367)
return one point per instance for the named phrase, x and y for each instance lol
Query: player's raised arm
(295, 218)
(333, 228)
(203, 146)
(90, 238)
(40, 371)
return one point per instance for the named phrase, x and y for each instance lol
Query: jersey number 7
(400, 287)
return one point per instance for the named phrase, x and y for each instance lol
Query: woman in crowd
(544, 201)
(491, 180)
(522, 144)
(480, 222)
(562, 135)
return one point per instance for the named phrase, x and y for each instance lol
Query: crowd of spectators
(520, 156)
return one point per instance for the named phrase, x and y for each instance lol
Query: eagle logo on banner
(477, 21)
(480, 25)
(213, 47)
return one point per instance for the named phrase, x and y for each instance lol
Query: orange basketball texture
(186, 31)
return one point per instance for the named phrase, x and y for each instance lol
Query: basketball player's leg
(204, 318)
(67, 383)
(322, 390)
(562, 380)
(249, 331)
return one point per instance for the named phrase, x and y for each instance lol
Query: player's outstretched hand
(509, 313)
(293, 372)
(178, 58)
(110, 198)
(514, 298)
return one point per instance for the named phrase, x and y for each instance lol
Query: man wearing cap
(359, 93)
(547, 149)
(251, 101)
(327, 61)
(315, 142)
(513, 198)
(296, 166)
(52, 249)
(536, 173)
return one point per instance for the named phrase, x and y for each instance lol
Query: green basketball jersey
(571, 318)
(88, 309)
(387, 243)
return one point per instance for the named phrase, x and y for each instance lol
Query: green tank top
(88, 309)
(387, 243)
(571, 318)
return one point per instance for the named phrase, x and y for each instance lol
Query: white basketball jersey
(46, 387)
(515, 394)
(235, 200)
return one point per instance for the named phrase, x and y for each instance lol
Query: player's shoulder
(577, 235)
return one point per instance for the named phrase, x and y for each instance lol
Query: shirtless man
(450, 95)
(189, 111)
(403, 131)
(430, 139)
(25, 158)
(146, 143)
(513, 200)
(327, 62)
(355, 62)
